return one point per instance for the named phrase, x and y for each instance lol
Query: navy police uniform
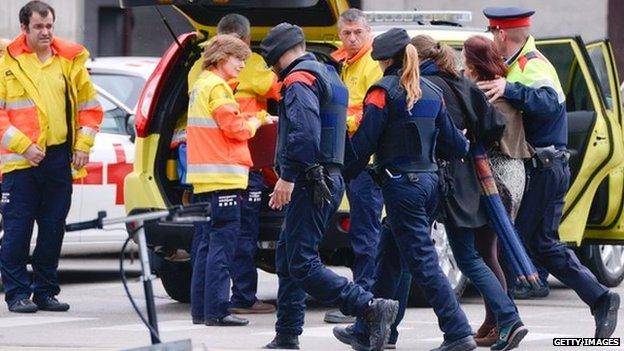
(404, 143)
(311, 132)
(533, 87)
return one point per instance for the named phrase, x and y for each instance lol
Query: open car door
(606, 219)
(594, 136)
(319, 17)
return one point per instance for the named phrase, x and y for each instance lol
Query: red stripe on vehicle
(117, 173)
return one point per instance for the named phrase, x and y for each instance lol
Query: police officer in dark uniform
(405, 122)
(310, 152)
(532, 86)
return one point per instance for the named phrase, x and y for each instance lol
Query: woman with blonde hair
(404, 123)
(465, 218)
(218, 167)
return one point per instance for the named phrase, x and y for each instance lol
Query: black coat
(461, 205)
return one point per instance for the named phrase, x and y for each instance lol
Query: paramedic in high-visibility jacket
(49, 116)
(532, 86)
(218, 164)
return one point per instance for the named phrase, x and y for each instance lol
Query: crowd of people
(393, 121)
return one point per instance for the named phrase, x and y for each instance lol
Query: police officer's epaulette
(390, 84)
(522, 60)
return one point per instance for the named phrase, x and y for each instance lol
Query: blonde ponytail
(410, 79)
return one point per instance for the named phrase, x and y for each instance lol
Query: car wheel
(176, 279)
(449, 267)
(606, 262)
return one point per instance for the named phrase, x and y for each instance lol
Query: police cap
(390, 43)
(279, 40)
(508, 17)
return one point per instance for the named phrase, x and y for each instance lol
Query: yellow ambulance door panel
(594, 138)
(610, 196)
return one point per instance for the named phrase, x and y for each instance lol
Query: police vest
(408, 141)
(334, 100)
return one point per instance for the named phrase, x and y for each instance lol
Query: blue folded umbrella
(500, 221)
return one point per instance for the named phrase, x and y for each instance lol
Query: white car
(118, 82)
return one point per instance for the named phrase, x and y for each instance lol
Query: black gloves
(321, 195)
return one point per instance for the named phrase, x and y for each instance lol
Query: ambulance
(593, 218)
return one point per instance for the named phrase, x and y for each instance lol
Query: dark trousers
(410, 205)
(243, 269)
(299, 266)
(462, 241)
(392, 280)
(41, 194)
(538, 225)
(214, 244)
(365, 204)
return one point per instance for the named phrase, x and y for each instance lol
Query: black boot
(284, 341)
(379, 317)
(605, 314)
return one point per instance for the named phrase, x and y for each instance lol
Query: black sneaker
(338, 317)
(228, 321)
(50, 303)
(198, 320)
(605, 314)
(346, 335)
(509, 336)
(467, 343)
(379, 317)
(284, 342)
(522, 292)
(23, 306)
(541, 292)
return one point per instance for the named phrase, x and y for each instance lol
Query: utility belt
(544, 157)
(384, 175)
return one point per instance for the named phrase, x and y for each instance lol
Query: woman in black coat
(464, 218)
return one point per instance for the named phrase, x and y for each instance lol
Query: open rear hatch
(319, 17)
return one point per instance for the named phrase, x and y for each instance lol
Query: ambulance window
(114, 117)
(570, 75)
(600, 64)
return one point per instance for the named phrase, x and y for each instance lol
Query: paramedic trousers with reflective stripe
(365, 204)
(410, 205)
(299, 266)
(244, 273)
(213, 253)
(538, 225)
(41, 194)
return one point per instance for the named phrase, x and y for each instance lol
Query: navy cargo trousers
(410, 204)
(41, 194)
(299, 266)
(243, 269)
(538, 225)
(365, 204)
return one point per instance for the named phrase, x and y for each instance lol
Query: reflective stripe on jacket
(217, 134)
(22, 117)
(533, 87)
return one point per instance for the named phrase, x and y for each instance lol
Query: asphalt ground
(101, 318)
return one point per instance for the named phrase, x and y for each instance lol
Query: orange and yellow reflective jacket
(218, 156)
(358, 74)
(23, 118)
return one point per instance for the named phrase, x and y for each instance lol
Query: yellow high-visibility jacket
(23, 121)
